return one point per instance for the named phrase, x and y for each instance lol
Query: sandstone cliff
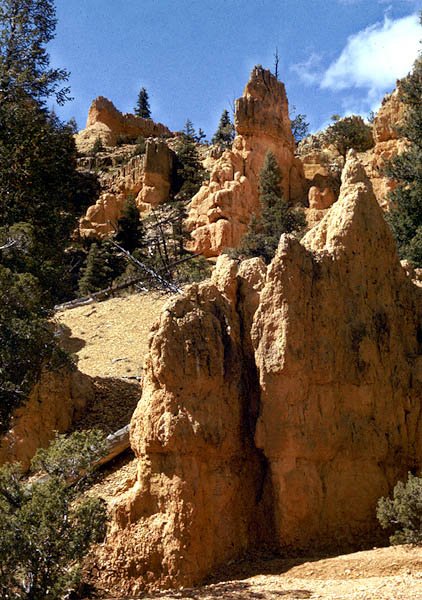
(278, 403)
(148, 178)
(55, 401)
(220, 212)
(388, 143)
(107, 123)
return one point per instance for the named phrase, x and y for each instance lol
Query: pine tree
(190, 173)
(405, 217)
(276, 218)
(98, 272)
(299, 125)
(225, 133)
(47, 528)
(40, 194)
(142, 108)
(130, 232)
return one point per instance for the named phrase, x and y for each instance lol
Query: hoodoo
(220, 212)
(278, 404)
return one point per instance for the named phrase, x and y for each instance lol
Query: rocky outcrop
(200, 480)
(321, 161)
(337, 338)
(388, 143)
(221, 211)
(147, 178)
(389, 118)
(107, 123)
(278, 403)
(55, 401)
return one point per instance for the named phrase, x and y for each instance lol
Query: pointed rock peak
(263, 109)
(353, 171)
(355, 224)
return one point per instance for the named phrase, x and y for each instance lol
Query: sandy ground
(110, 338)
(109, 341)
(379, 574)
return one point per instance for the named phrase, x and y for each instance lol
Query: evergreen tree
(130, 232)
(276, 218)
(405, 217)
(299, 125)
(190, 174)
(46, 528)
(25, 73)
(142, 108)
(40, 195)
(225, 133)
(100, 269)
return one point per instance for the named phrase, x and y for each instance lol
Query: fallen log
(117, 443)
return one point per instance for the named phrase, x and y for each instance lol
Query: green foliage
(225, 133)
(130, 233)
(194, 270)
(349, 132)
(299, 125)
(403, 513)
(405, 217)
(26, 28)
(102, 266)
(70, 455)
(142, 108)
(190, 173)
(41, 195)
(97, 146)
(46, 528)
(276, 218)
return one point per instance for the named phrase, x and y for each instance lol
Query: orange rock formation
(388, 143)
(147, 178)
(107, 123)
(278, 404)
(220, 212)
(54, 402)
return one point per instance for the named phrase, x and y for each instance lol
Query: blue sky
(194, 56)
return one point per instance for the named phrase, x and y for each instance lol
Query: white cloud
(375, 57)
(309, 71)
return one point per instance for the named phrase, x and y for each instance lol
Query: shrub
(46, 528)
(97, 146)
(403, 513)
(349, 132)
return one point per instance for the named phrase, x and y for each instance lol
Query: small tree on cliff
(349, 132)
(276, 218)
(405, 217)
(224, 135)
(142, 108)
(299, 125)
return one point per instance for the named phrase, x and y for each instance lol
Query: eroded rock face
(286, 397)
(107, 123)
(335, 367)
(52, 406)
(200, 479)
(148, 178)
(221, 211)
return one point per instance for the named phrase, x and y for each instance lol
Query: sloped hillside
(109, 341)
